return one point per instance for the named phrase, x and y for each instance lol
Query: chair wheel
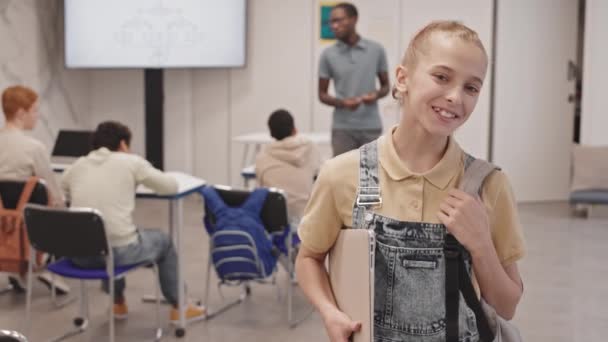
(180, 332)
(78, 321)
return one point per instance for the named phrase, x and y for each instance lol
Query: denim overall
(409, 285)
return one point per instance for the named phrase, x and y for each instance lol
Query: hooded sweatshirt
(289, 164)
(106, 181)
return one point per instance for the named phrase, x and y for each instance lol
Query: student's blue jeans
(152, 246)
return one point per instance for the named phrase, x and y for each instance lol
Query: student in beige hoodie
(289, 163)
(105, 180)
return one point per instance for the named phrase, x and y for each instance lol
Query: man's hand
(466, 218)
(370, 97)
(351, 103)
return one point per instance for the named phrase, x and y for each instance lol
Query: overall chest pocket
(409, 295)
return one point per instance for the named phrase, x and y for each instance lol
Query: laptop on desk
(70, 145)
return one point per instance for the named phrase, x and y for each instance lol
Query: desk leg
(245, 157)
(176, 217)
(256, 151)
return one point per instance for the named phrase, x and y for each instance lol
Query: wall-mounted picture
(326, 33)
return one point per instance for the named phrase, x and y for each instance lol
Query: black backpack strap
(458, 281)
(457, 278)
(470, 297)
(452, 252)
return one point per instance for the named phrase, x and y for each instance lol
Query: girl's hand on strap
(466, 218)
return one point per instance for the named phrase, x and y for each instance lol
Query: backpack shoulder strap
(212, 199)
(475, 173)
(255, 201)
(456, 276)
(26, 193)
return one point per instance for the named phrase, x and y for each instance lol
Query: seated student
(22, 156)
(289, 163)
(106, 179)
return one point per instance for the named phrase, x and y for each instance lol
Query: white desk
(257, 139)
(187, 185)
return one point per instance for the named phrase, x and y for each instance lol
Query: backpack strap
(212, 199)
(457, 279)
(255, 202)
(475, 173)
(26, 193)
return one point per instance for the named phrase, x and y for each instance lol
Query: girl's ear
(401, 80)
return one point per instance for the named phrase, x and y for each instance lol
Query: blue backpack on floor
(241, 249)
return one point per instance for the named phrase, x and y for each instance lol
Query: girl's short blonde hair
(419, 42)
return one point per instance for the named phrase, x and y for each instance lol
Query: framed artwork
(325, 31)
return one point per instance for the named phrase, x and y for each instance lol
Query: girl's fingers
(452, 201)
(446, 208)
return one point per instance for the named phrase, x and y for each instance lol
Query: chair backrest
(10, 190)
(274, 211)
(72, 232)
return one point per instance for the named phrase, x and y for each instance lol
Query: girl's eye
(441, 77)
(472, 89)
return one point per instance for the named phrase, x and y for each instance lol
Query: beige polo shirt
(406, 196)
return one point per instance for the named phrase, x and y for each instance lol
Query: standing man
(353, 63)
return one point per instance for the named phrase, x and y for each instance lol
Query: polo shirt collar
(361, 44)
(439, 176)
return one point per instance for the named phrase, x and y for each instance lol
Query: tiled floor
(565, 274)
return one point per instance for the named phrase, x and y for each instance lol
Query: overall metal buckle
(374, 199)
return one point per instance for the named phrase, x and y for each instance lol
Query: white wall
(594, 116)
(533, 118)
(118, 95)
(31, 54)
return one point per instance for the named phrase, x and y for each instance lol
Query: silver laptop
(351, 275)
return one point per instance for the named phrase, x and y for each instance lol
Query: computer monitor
(72, 143)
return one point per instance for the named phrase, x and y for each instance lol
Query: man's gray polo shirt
(354, 70)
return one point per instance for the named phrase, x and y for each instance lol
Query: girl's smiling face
(441, 88)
